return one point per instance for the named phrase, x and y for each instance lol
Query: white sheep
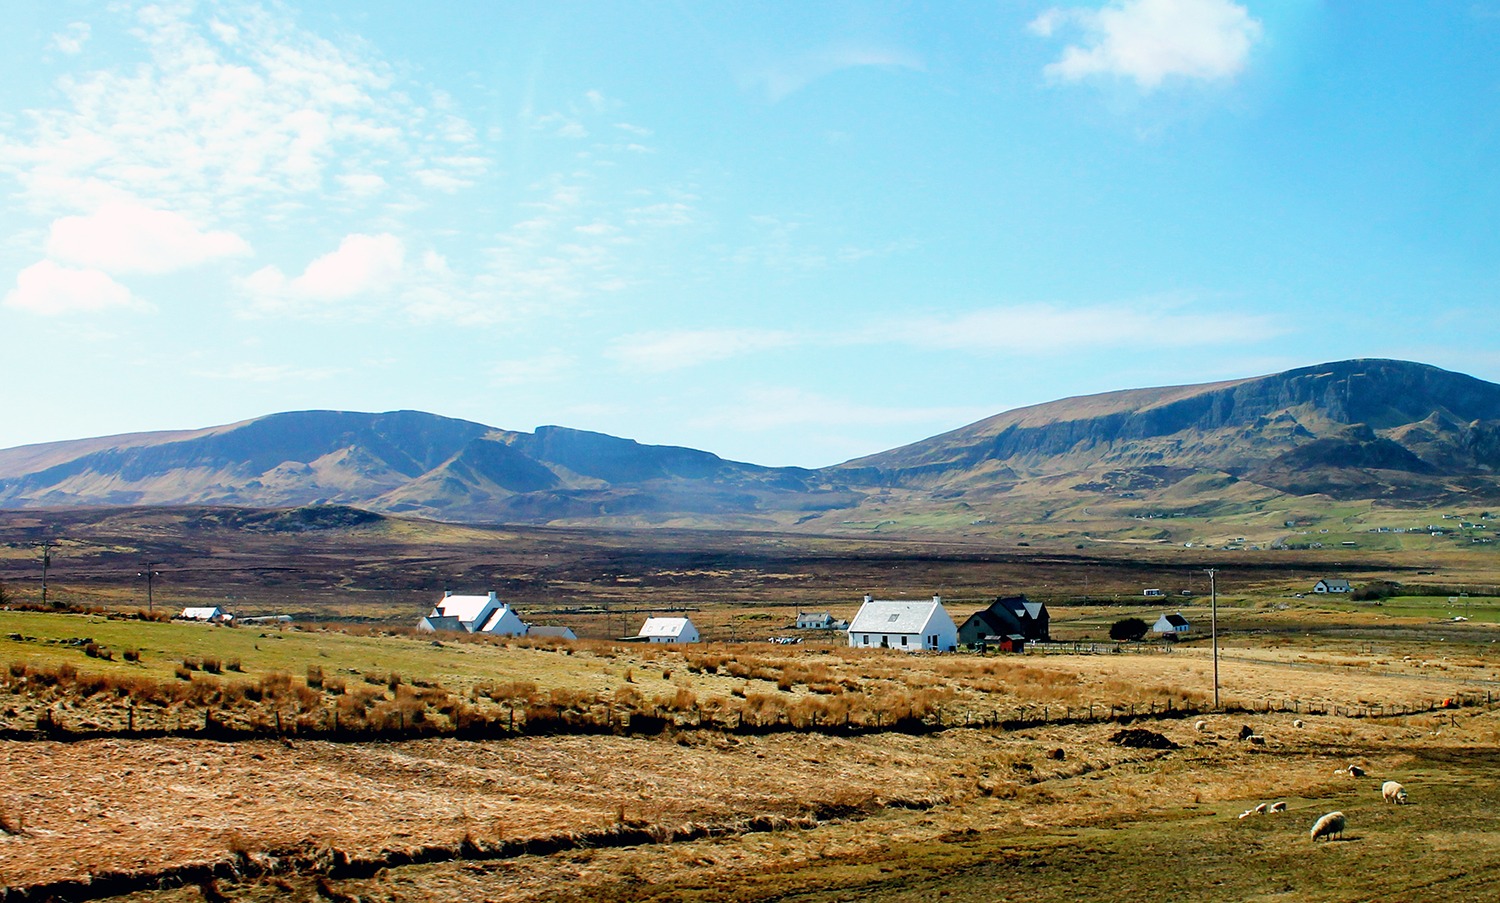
(1200, 726)
(1261, 809)
(1393, 792)
(1297, 723)
(1278, 806)
(1327, 826)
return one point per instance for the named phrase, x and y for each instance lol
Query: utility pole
(1213, 594)
(46, 564)
(150, 573)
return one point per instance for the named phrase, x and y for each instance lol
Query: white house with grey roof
(474, 614)
(909, 626)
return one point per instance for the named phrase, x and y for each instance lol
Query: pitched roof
(1174, 620)
(664, 627)
(893, 616)
(465, 608)
(547, 631)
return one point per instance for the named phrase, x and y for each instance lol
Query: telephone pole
(1213, 595)
(46, 564)
(150, 573)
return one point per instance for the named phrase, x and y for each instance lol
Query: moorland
(345, 756)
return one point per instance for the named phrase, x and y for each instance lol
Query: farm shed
(1007, 616)
(668, 630)
(908, 626)
(1331, 585)
(474, 614)
(212, 614)
(1171, 625)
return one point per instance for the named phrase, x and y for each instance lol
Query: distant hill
(1400, 432)
(404, 462)
(1353, 429)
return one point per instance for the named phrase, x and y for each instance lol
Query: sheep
(1393, 792)
(1327, 826)
(1278, 806)
(1257, 740)
(1261, 809)
(1355, 771)
(1297, 723)
(1247, 813)
(1200, 726)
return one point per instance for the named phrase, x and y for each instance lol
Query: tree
(1128, 629)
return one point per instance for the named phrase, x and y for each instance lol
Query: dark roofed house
(1171, 625)
(1009, 621)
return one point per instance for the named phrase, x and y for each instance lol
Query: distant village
(1009, 624)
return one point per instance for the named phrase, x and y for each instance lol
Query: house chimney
(447, 593)
(937, 599)
(867, 598)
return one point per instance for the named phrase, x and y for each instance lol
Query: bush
(1128, 629)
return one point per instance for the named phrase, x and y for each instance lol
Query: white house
(818, 620)
(668, 630)
(1171, 624)
(908, 626)
(474, 614)
(1331, 586)
(213, 614)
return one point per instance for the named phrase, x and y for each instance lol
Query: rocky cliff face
(1291, 431)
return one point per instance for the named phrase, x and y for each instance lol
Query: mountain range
(1400, 432)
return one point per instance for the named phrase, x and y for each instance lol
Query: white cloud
(659, 352)
(226, 115)
(1042, 329)
(1149, 41)
(72, 39)
(51, 289)
(362, 265)
(132, 238)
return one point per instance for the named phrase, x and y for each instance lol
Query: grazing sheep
(1355, 771)
(1261, 809)
(1278, 806)
(1393, 792)
(1297, 723)
(1200, 726)
(1327, 826)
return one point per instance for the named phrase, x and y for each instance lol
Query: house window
(903, 639)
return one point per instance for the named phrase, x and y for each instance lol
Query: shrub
(131, 655)
(1128, 629)
(184, 672)
(315, 676)
(213, 666)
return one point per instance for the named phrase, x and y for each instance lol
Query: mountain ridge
(1355, 429)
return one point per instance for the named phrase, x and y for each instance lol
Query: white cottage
(908, 626)
(668, 630)
(474, 614)
(1171, 625)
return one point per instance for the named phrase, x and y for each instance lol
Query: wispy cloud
(660, 352)
(773, 408)
(1043, 329)
(781, 78)
(1149, 41)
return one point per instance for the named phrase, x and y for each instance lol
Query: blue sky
(784, 233)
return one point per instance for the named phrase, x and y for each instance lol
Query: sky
(784, 233)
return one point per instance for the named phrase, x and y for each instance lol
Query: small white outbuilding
(213, 614)
(474, 614)
(906, 625)
(668, 630)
